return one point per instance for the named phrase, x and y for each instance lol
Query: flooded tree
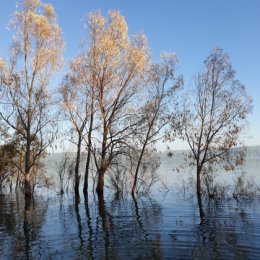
(35, 54)
(107, 75)
(215, 116)
(118, 63)
(75, 102)
(152, 116)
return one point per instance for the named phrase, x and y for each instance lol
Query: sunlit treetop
(37, 38)
(112, 61)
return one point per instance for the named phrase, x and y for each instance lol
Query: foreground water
(163, 225)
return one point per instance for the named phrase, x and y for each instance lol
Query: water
(164, 225)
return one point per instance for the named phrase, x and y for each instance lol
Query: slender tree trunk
(85, 188)
(27, 179)
(18, 172)
(77, 177)
(198, 180)
(140, 159)
(103, 166)
(100, 184)
(137, 170)
(17, 181)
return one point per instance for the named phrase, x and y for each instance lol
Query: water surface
(164, 225)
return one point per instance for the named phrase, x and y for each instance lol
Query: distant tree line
(115, 104)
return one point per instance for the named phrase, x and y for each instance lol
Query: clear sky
(190, 28)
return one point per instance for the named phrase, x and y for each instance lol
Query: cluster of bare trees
(116, 102)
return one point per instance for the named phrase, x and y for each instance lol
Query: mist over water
(164, 225)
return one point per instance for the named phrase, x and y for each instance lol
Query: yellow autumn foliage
(3, 65)
(49, 11)
(30, 4)
(39, 37)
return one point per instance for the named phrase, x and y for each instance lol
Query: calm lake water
(164, 225)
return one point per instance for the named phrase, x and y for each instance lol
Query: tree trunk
(77, 177)
(27, 187)
(100, 184)
(103, 163)
(141, 157)
(85, 188)
(27, 179)
(17, 180)
(137, 170)
(198, 180)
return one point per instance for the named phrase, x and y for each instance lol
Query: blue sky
(190, 28)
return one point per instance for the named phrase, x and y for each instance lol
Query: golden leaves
(96, 20)
(110, 36)
(40, 26)
(112, 50)
(3, 65)
(118, 28)
(49, 11)
(138, 52)
(39, 37)
(28, 5)
(3, 71)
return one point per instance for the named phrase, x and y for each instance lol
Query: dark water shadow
(21, 222)
(89, 252)
(117, 229)
(79, 225)
(107, 225)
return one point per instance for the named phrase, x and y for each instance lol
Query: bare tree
(214, 117)
(79, 93)
(35, 55)
(76, 109)
(153, 115)
(63, 170)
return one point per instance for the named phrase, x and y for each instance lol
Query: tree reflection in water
(89, 252)
(22, 222)
(125, 228)
(110, 229)
(218, 234)
(119, 229)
